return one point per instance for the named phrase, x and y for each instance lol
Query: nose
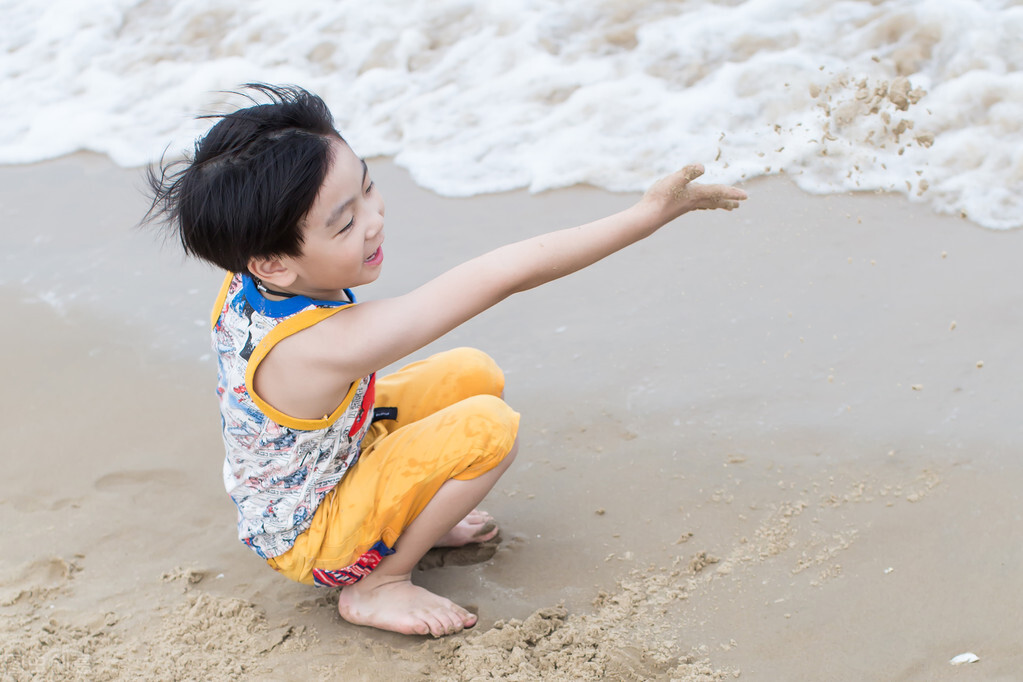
(376, 223)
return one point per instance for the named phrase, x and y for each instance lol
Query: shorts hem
(349, 575)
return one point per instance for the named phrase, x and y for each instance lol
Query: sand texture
(776, 444)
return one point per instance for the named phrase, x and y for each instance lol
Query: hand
(676, 194)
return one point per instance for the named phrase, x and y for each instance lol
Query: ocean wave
(922, 97)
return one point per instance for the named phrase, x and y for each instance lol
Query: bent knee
(494, 411)
(490, 421)
(490, 428)
(477, 372)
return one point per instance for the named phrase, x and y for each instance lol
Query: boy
(342, 478)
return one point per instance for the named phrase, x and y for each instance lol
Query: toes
(464, 617)
(478, 517)
(450, 619)
(488, 532)
(420, 627)
(449, 625)
(485, 527)
(434, 625)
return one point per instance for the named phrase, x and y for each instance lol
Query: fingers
(718, 206)
(680, 180)
(717, 196)
(722, 192)
(692, 171)
(677, 193)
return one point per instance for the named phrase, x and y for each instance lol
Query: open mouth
(377, 257)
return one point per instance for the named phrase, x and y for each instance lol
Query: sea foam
(923, 97)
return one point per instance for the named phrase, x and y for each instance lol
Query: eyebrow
(336, 214)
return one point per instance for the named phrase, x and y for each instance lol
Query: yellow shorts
(451, 423)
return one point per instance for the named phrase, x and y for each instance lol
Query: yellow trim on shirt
(296, 323)
(218, 307)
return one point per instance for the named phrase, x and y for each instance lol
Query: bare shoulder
(304, 375)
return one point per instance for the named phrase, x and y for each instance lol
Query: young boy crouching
(342, 478)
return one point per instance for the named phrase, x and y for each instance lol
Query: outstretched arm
(377, 333)
(307, 374)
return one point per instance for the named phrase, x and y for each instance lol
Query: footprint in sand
(120, 480)
(466, 555)
(31, 504)
(35, 580)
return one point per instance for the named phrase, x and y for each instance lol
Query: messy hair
(251, 180)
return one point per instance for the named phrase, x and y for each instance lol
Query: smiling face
(342, 232)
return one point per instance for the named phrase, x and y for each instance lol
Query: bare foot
(400, 606)
(477, 526)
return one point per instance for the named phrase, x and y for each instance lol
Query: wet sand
(778, 444)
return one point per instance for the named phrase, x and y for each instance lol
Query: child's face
(343, 231)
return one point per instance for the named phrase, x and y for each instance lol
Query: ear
(272, 270)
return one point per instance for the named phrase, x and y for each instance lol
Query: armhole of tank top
(296, 323)
(218, 307)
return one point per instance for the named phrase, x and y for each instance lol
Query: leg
(425, 386)
(387, 599)
(408, 490)
(422, 388)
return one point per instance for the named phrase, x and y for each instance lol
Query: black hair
(252, 179)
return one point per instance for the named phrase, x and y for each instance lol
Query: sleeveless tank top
(277, 468)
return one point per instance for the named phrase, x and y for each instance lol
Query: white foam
(482, 97)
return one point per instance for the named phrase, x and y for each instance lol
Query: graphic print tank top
(277, 468)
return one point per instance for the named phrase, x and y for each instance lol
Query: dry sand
(778, 444)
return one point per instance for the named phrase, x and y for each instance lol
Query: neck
(263, 289)
(274, 294)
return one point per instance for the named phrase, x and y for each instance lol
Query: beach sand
(775, 444)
